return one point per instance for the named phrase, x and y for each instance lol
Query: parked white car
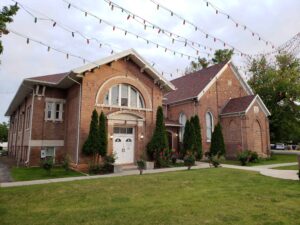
(280, 146)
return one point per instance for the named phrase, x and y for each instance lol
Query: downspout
(30, 129)
(79, 118)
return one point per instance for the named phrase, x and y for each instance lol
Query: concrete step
(129, 167)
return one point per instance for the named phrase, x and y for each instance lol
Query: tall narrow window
(115, 95)
(209, 125)
(124, 95)
(182, 121)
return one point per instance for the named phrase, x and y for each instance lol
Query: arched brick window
(209, 125)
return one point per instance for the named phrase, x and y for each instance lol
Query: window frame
(53, 109)
(211, 128)
(140, 102)
(182, 128)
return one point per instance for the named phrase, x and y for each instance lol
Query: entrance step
(129, 167)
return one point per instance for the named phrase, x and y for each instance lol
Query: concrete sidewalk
(199, 165)
(268, 171)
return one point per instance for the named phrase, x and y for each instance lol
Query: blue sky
(275, 20)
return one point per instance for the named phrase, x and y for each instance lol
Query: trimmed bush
(197, 137)
(189, 161)
(102, 150)
(141, 165)
(47, 164)
(159, 141)
(66, 163)
(188, 138)
(217, 146)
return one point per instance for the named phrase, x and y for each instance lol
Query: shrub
(102, 150)
(174, 157)
(244, 157)
(188, 138)
(217, 147)
(198, 139)
(141, 165)
(159, 141)
(94, 168)
(47, 164)
(66, 163)
(253, 157)
(108, 166)
(189, 160)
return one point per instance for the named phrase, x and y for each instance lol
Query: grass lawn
(274, 159)
(295, 167)
(37, 173)
(207, 196)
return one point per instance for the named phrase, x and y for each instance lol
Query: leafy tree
(3, 132)
(159, 141)
(222, 55)
(198, 139)
(217, 146)
(6, 15)
(102, 135)
(91, 145)
(278, 84)
(199, 64)
(188, 138)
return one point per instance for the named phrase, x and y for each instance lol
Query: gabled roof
(194, 85)
(136, 58)
(190, 85)
(53, 78)
(64, 80)
(242, 105)
(237, 105)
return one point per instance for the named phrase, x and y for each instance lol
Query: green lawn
(37, 173)
(207, 196)
(274, 159)
(295, 167)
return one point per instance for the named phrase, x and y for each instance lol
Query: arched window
(209, 125)
(182, 121)
(124, 95)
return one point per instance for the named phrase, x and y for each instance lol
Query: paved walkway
(268, 171)
(264, 170)
(123, 173)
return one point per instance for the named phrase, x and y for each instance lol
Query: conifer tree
(217, 147)
(102, 135)
(91, 145)
(159, 141)
(188, 138)
(198, 138)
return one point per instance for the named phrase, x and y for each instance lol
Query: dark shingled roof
(53, 78)
(236, 105)
(190, 85)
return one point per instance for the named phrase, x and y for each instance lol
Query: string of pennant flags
(147, 24)
(206, 34)
(74, 32)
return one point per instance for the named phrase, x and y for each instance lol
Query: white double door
(124, 148)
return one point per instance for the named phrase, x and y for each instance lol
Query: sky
(275, 20)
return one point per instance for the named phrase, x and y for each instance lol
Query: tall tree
(188, 138)
(91, 145)
(6, 15)
(3, 132)
(102, 135)
(199, 64)
(217, 146)
(222, 55)
(278, 84)
(159, 140)
(198, 139)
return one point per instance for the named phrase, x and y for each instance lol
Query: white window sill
(208, 141)
(54, 121)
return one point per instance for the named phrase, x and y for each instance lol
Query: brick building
(50, 115)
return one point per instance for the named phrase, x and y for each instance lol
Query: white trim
(30, 128)
(261, 104)
(213, 81)
(144, 89)
(46, 143)
(134, 55)
(56, 100)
